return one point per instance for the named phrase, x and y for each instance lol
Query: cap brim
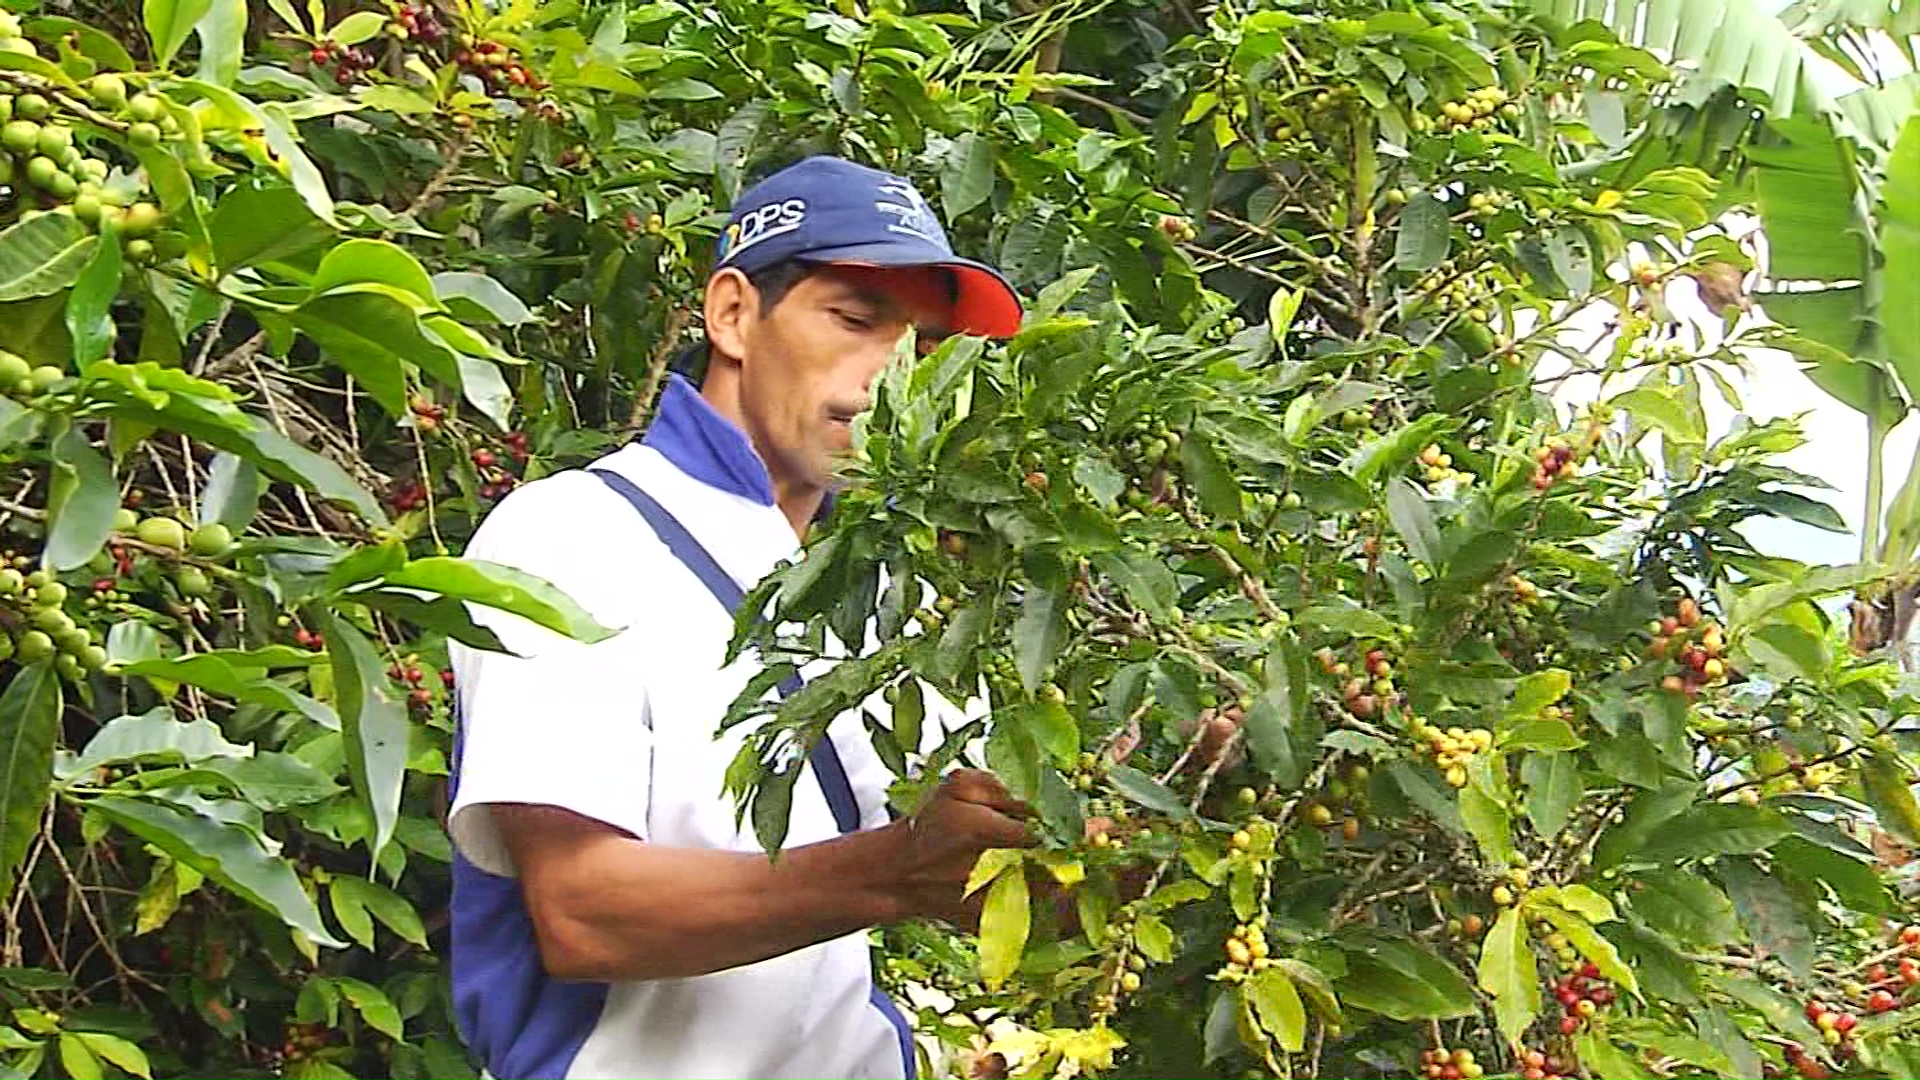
(985, 303)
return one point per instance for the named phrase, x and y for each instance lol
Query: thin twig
(657, 369)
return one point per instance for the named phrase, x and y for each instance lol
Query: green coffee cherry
(20, 136)
(162, 532)
(109, 90)
(211, 540)
(34, 646)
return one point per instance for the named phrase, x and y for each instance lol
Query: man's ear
(732, 303)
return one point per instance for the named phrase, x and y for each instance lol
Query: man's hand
(969, 813)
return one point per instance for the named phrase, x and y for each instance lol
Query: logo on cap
(763, 223)
(910, 211)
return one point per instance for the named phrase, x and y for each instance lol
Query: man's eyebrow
(875, 299)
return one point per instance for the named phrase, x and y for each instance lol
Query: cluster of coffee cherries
(496, 66)
(1693, 641)
(1452, 748)
(407, 495)
(1340, 805)
(1439, 468)
(1486, 204)
(409, 671)
(1178, 229)
(19, 379)
(1247, 952)
(1450, 289)
(1581, 994)
(302, 1042)
(349, 62)
(1503, 895)
(419, 22)
(1556, 461)
(497, 478)
(1367, 691)
(1807, 1066)
(48, 162)
(35, 626)
(1525, 592)
(1540, 1065)
(1836, 1026)
(1443, 1064)
(1887, 987)
(1482, 109)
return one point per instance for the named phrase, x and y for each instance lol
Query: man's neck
(798, 500)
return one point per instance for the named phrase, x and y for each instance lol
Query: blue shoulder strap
(825, 759)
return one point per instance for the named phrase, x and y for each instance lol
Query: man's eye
(853, 320)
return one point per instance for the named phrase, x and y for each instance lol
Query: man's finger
(985, 789)
(1001, 831)
(1213, 740)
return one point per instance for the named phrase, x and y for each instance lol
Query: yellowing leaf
(1591, 945)
(77, 1059)
(119, 1051)
(1091, 1049)
(1004, 925)
(989, 865)
(1067, 871)
(1579, 899)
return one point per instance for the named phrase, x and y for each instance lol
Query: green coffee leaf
(1396, 978)
(1508, 973)
(229, 854)
(81, 501)
(1154, 938)
(373, 1006)
(1889, 790)
(1715, 829)
(118, 1051)
(489, 584)
(42, 255)
(373, 719)
(169, 22)
(78, 1059)
(1773, 916)
(1554, 788)
(1424, 234)
(1277, 1003)
(1039, 633)
(30, 708)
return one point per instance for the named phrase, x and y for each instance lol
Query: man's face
(808, 365)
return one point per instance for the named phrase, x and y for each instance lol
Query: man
(608, 918)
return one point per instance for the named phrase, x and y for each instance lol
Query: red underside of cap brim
(986, 305)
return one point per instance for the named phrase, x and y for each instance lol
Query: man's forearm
(633, 910)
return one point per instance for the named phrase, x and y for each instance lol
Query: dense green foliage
(291, 293)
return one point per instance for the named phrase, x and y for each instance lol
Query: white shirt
(623, 732)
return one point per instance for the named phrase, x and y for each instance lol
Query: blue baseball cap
(831, 211)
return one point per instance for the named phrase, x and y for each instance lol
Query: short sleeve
(560, 723)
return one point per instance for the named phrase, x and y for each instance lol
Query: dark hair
(773, 283)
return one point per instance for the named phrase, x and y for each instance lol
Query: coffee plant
(1541, 768)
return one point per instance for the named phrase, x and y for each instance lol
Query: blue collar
(705, 445)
